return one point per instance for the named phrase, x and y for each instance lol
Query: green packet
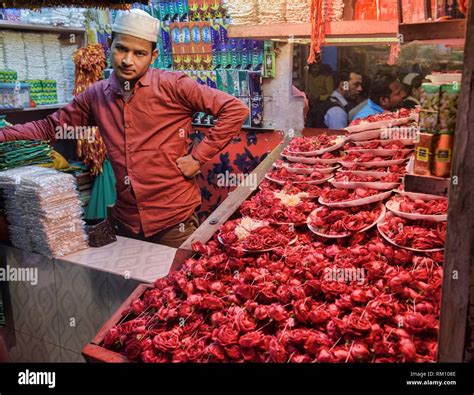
(429, 121)
(448, 106)
(430, 97)
(451, 89)
(430, 87)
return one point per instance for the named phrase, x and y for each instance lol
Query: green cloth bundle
(103, 193)
(23, 153)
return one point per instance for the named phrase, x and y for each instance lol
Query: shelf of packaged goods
(37, 108)
(12, 25)
(427, 184)
(450, 32)
(337, 33)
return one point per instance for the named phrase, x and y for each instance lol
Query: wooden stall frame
(460, 231)
(459, 250)
(94, 352)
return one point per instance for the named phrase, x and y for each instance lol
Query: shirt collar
(113, 83)
(375, 106)
(339, 97)
(146, 79)
(413, 99)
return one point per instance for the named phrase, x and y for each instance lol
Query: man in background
(334, 111)
(320, 82)
(319, 87)
(362, 99)
(386, 93)
(412, 82)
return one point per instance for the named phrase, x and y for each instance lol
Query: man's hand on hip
(188, 166)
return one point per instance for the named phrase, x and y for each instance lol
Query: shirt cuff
(204, 152)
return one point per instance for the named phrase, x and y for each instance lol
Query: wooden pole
(427, 9)
(460, 233)
(400, 11)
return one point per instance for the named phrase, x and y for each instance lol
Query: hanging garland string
(90, 62)
(317, 29)
(394, 53)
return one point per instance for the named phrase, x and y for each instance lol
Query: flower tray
(93, 351)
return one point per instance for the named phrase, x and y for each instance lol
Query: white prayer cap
(137, 23)
(409, 78)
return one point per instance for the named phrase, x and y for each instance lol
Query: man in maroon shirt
(144, 116)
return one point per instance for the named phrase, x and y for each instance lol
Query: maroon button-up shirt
(144, 137)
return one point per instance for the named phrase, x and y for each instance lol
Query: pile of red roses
(397, 169)
(421, 235)
(345, 220)
(326, 155)
(302, 166)
(257, 239)
(347, 176)
(345, 195)
(313, 143)
(385, 116)
(353, 299)
(418, 206)
(284, 175)
(289, 306)
(266, 206)
(312, 190)
(356, 157)
(376, 144)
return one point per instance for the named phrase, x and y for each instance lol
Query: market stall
(288, 239)
(116, 268)
(411, 229)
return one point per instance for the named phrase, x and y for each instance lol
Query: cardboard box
(244, 89)
(163, 7)
(255, 83)
(257, 60)
(182, 10)
(246, 101)
(233, 82)
(269, 65)
(217, 60)
(166, 45)
(211, 79)
(226, 60)
(176, 38)
(424, 154)
(442, 157)
(215, 37)
(256, 111)
(222, 82)
(246, 62)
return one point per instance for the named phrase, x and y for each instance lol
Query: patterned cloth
(241, 156)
